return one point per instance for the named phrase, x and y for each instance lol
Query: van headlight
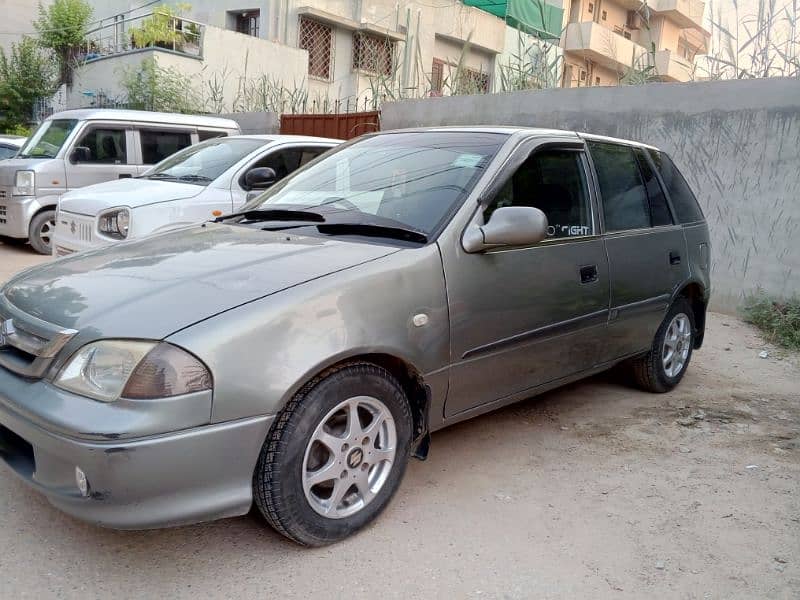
(115, 223)
(24, 184)
(133, 369)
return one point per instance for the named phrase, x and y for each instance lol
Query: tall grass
(779, 320)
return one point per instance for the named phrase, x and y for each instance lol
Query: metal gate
(343, 126)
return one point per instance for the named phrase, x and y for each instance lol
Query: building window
(317, 39)
(605, 15)
(626, 35)
(437, 77)
(583, 75)
(591, 7)
(247, 22)
(473, 82)
(372, 53)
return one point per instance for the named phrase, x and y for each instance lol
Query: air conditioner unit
(634, 20)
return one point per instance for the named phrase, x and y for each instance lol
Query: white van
(76, 148)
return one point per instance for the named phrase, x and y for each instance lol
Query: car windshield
(414, 179)
(47, 140)
(204, 162)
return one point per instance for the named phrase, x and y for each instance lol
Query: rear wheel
(335, 456)
(663, 367)
(41, 231)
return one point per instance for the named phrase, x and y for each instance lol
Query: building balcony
(671, 67)
(603, 47)
(687, 14)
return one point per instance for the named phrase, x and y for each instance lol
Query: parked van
(76, 148)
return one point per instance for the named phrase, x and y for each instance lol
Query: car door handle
(589, 274)
(674, 258)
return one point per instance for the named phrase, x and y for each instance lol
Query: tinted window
(554, 182)
(208, 134)
(625, 204)
(106, 146)
(416, 179)
(659, 209)
(683, 200)
(159, 144)
(284, 162)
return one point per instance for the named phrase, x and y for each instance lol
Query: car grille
(3, 210)
(28, 344)
(79, 228)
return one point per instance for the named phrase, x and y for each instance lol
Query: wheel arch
(695, 293)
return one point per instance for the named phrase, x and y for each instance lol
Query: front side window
(413, 179)
(106, 146)
(158, 144)
(47, 140)
(687, 210)
(287, 160)
(625, 203)
(204, 162)
(553, 181)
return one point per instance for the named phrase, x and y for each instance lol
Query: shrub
(26, 75)
(62, 28)
(152, 87)
(779, 320)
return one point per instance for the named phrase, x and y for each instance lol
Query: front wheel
(41, 231)
(335, 456)
(663, 367)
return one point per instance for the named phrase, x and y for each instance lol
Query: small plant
(779, 320)
(62, 28)
(152, 87)
(159, 29)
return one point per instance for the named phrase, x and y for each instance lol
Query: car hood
(153, 287)
(93, 199)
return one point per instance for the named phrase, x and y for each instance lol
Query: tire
(653, 372)
(299, 484)
(40, 232)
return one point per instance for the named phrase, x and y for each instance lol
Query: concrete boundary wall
(737, 142)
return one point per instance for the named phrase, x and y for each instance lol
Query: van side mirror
(508, 226)
(260, 178)
(80, 154)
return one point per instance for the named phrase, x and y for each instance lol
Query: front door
(107, 154)
(523, 317)
(647, 251)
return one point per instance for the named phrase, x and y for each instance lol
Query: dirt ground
(592, 491)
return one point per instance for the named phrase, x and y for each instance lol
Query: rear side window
(158, 144)
(209, 134)
(106, 146)
(659, 209)
(625, 202)
(553, 181)
(687, 210)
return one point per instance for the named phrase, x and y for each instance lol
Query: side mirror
(508, 226)
(260, 178)
(80, 154)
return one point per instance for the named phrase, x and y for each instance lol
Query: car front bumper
(16, 213)
(196, 474)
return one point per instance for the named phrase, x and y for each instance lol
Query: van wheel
(663, 367)
(40, 232)
(335, 455)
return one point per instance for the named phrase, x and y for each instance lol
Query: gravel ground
(593, 491)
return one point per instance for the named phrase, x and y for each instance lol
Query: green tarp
(531, 16)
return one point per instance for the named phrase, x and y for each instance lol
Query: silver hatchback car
(298, 353)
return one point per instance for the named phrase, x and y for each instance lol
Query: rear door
(646, 249)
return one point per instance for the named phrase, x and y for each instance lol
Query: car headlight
(24, 183)
(115, 223)
(111, 369)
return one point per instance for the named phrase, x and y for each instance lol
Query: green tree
(62, 28)
(26, 75)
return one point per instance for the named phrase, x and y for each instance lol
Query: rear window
(687, 210)
(625, 201)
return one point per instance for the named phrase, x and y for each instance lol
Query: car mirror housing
(260, 178)
(80, 154)
(508, 226)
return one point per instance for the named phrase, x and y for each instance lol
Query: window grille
(372, 53)
(317, 39)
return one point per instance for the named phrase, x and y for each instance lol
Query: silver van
(76, 148)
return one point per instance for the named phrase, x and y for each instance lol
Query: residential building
(18, 18)
(607, 40)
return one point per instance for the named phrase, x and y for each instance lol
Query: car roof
(285, 138)
(526, 131)
(115, 114)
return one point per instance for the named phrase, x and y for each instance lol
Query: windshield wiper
(194, 178)
(274, 214)
(159, 176)
(374, 230)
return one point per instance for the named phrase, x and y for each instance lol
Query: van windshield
(47, 140)
(204, 162)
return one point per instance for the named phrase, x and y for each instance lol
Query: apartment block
(606, 40)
